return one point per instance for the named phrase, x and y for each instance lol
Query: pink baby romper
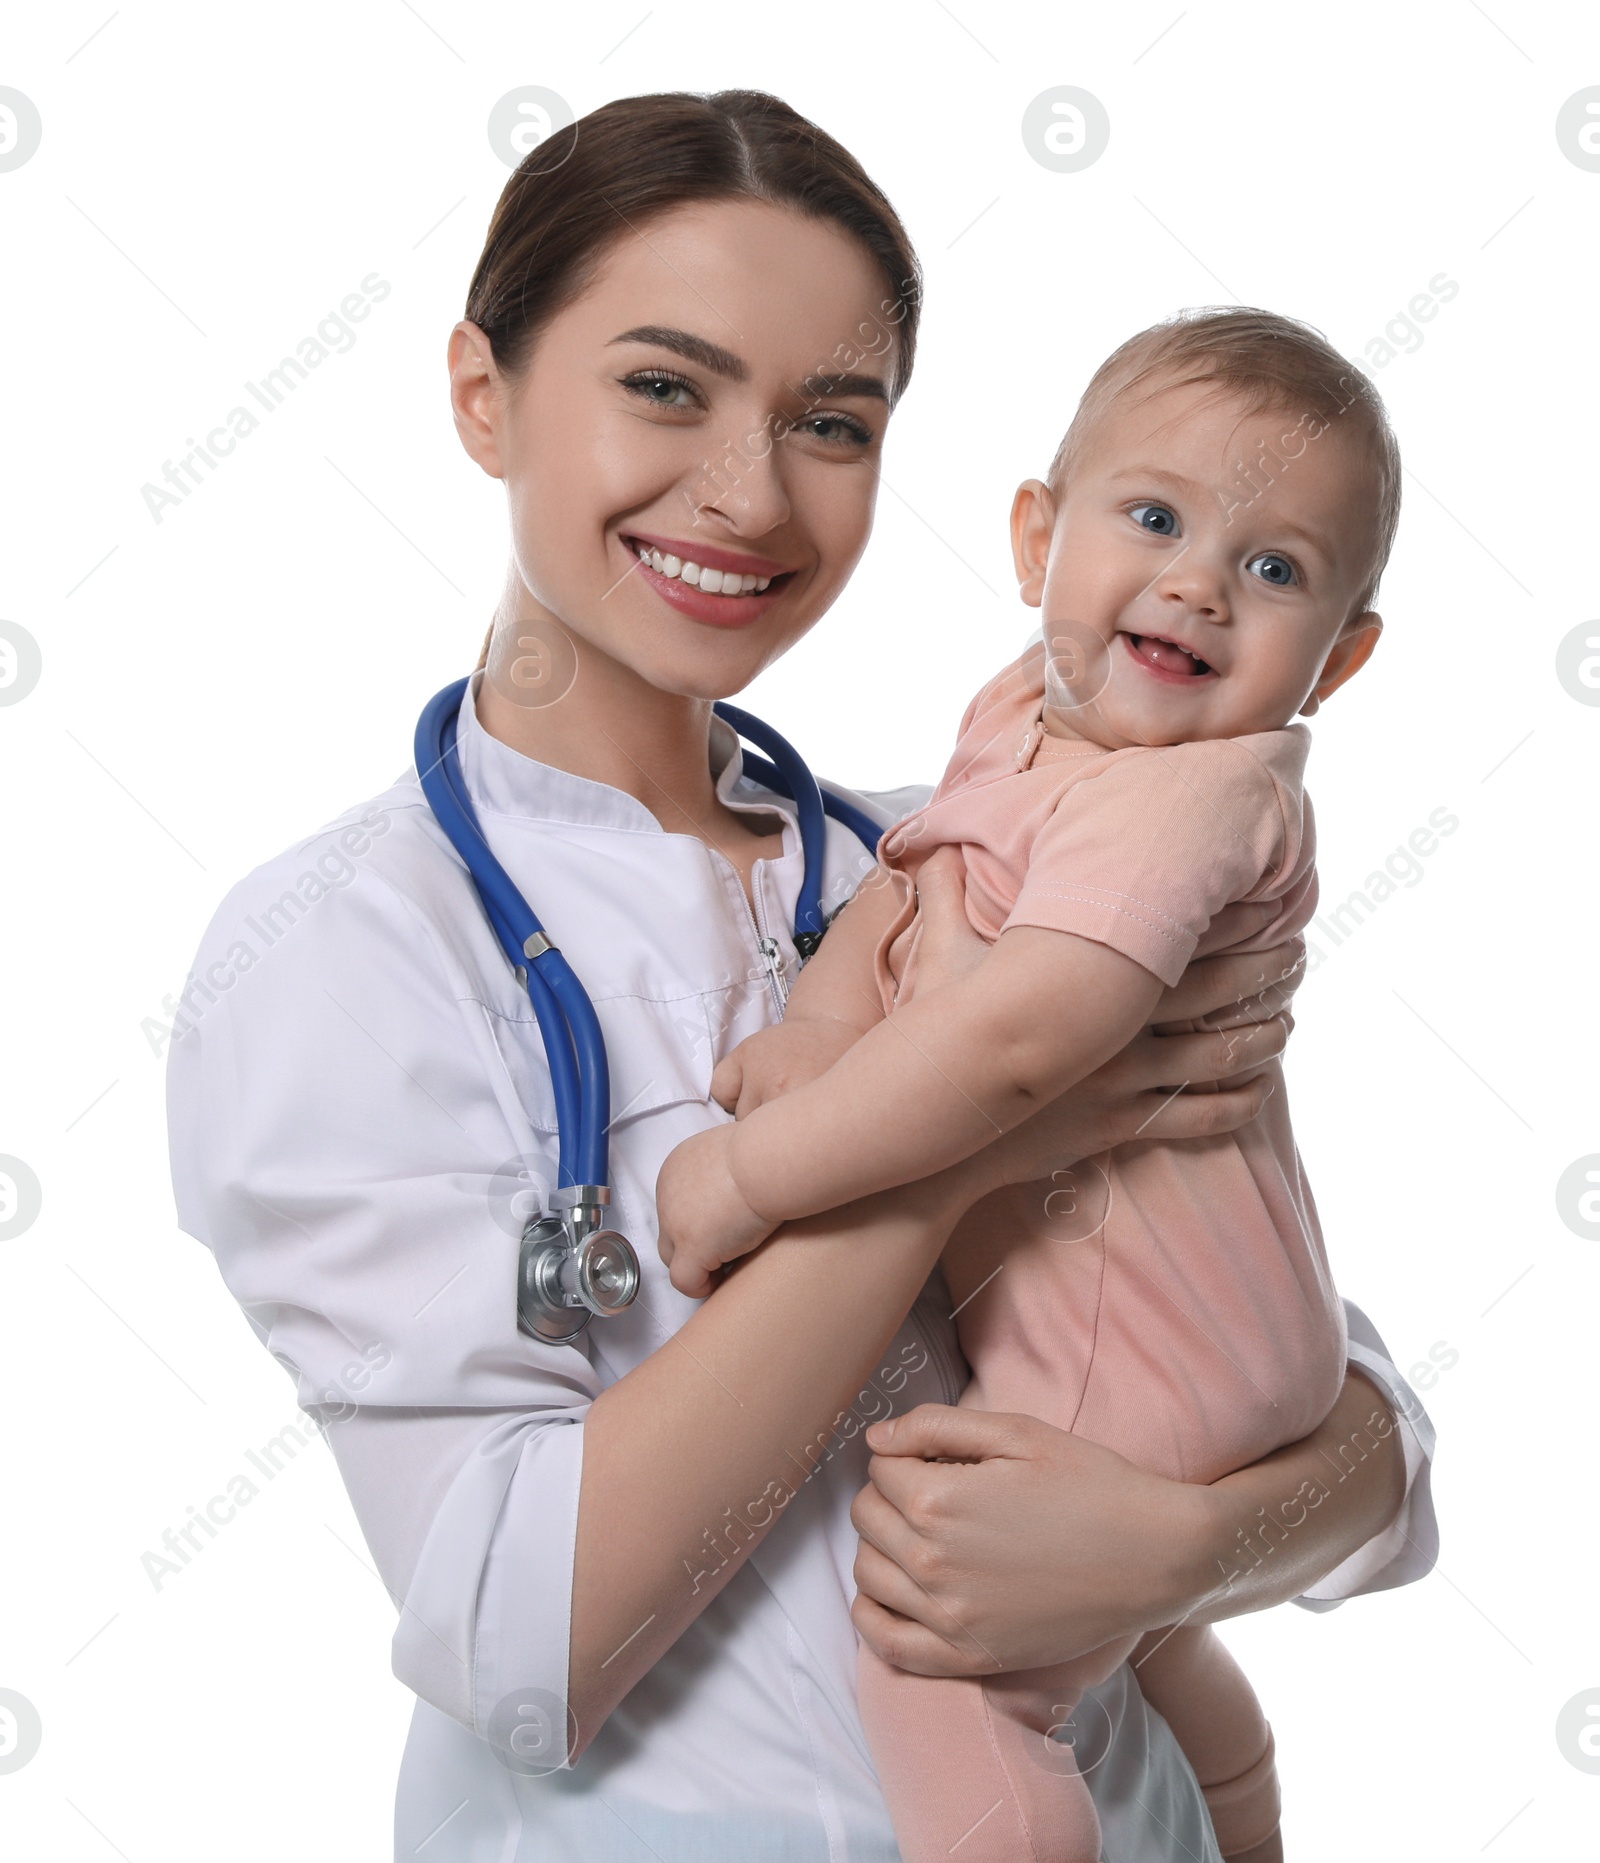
(1173, 1300)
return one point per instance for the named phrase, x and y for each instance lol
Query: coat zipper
(771, 957)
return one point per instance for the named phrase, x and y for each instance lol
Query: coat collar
(506, 781)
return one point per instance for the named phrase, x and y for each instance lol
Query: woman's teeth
(713, 581)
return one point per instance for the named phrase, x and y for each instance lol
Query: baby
(1127, 795)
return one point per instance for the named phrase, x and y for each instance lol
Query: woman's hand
(1018, 1546)
(1213, 1076)
(999, 1542)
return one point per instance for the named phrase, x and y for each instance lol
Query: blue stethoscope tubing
(580, 1077)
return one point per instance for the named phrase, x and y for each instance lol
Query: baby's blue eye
(1155, 518)
(1277, 570)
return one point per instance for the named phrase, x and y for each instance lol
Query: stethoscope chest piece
(570, 1269)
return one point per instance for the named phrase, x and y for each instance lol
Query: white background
(210, 183)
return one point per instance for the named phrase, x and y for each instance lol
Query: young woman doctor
(628, 1569)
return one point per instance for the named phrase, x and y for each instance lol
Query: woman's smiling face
(713, 400)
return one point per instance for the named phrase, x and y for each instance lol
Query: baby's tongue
(1170, 659)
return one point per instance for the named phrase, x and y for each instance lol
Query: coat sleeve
(346, 1141)
(1407, 1548)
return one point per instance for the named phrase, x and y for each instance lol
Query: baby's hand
(702, 1219)
(776, 1061)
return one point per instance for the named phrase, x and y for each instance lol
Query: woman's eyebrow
(692, 348)
(724, 362)
(819, 386)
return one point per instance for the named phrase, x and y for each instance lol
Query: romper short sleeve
(1147, 850)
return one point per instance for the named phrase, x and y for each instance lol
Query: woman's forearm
(1269, 1532)
(689, 1459)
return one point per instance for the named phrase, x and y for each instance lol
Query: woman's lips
(1167, 661)
(710, 605)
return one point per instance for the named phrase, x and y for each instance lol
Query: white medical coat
(358, 1105)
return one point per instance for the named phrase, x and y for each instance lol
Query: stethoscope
(570, 1265)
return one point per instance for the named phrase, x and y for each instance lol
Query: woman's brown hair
(621, 165)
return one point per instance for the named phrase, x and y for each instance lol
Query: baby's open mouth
(1167, 656)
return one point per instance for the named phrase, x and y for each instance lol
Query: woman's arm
(1095, 1547)
(725, 1409)
(730, 1415)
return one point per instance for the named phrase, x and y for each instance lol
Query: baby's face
(1183, 600)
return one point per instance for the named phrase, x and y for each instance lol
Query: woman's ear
(475, 397)
(1350, 652)
(1033, 523)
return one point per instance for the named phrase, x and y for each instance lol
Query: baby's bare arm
(833, 1003)
(945, 1075)
(838, 982)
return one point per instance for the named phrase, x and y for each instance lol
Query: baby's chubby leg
(1202, 1694)
(968, 1766)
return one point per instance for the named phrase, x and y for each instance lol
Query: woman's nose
(744, 487)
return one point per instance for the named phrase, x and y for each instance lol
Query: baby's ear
(1350, 652)
(1033, 523)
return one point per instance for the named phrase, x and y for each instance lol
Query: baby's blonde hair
(1270, 362)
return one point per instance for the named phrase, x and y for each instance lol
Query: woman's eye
(1156, 519)
(1277, 570)
(836, 429)
(661, 390)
